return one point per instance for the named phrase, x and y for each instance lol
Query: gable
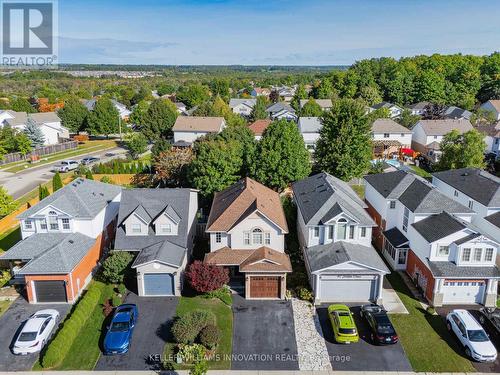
(348, 266)
(45, 212)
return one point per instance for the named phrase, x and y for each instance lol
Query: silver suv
(66, 165)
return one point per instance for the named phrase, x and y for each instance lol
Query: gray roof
(50, 252)
(279, 106)
(475, 183)
(494, 219)
(153, 202)
(45, 117)
(450, 269)
(396, 238)
(456, 113)
(90, 104)
(310, 124)
(163, 251)
(384, 105)
(233, 102)
(419, 105)
(20, 118)
(81, 198)
(435, 227)
(323, 256)
(387, 125)
(322, 197)
(444, 126)
(323, 103)
(391, 184)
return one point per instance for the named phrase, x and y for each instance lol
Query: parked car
(119, 332)
(471, 335)
(66, 165)
(89, 160)
(382, 330)
(109, 154)
(35, 332)
(342, 321)
(491, 315)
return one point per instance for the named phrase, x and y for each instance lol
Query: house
(63, 238)
(242, 107)
(260, 91)
(428, 134)
(430, 236)
(190, 128)
(258, 127)
(492, 106)
(159, 226)
(122, 109)
(389, 137)
(286, 93)
(457, 113)
(247, 228)
(491, 134)
(476, 189)
(181, 107)
(310, 128)
(418, 108)
(325, 104)
(334, 233)
(394, 110)
(281, 110)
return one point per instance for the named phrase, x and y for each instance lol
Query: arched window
(52, 213)
(257, 237)
(341, 229)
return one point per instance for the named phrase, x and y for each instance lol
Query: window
(267, 238)
(351, 232)
(53, 225)
(406, 216)
(43, 224)
(65, 223)
(329, 234)
(488, 256)
(246, 238)
(136, 228)
(28, 224)
(466, 255)
(316, 232)
(435, 137)
(52, 213)
(392, 205)
(403, 135)
(386, 135)
(218, 237)
(257, 236)
(478, 254)
(455, 193)
(166, 228)
(471, 205)
(341, 229)
(363, 232)
(402, 257)
(443, 251)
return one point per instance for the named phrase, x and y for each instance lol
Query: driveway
(363, 355)
(10, 324)
(488, 327)
(150, 335)
(263, 335)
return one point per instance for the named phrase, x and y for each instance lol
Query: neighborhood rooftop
(310, 124)
(198, 123)
(387, 125)
(436, 227)
(444, 126)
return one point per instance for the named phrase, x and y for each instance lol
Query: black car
(382, 330)
(491, 315)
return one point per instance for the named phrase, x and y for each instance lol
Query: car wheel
(468, 353)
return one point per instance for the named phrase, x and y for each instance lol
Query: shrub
(224, 294)
(206, 277)
(116, 301)
(56, 182)
(199, 368)
(106, 179)
(210, 336)
(187, 327)
(305, 294)
(191, 353)
(5, 276)
(114, 267)
(122, 289)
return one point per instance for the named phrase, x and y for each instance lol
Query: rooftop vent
(71, 242)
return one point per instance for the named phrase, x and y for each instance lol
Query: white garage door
(463, 292)
(345, 288)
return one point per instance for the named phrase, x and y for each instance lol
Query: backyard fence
(41, 151)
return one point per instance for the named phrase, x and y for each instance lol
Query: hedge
(61, 344)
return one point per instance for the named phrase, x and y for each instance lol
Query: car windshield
(27, 336)
(347, 331)
(477, 335)
(119, 326)
(385, 329)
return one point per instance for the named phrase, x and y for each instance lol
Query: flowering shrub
(206, 277)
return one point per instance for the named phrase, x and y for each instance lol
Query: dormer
(137, 223)
(167, 222)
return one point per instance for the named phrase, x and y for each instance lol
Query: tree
(137, 144)
(171, 166)
(159, 119)
(7, 204)
(43, 192)
(311, 109)
(243, 136)
(34, 133)
(73, 115)
(220, 87)
(56, 182)
(22, 105)
(89, 175)
(115, 266)
(344, 146)
(217, 165)
(489, 91)
(433, 112)
(160, 145)
(103, 119)
(407, 119)
(462, 150)
(139, 113)
(370, 94)
(300, 93)
(274, 96)
(23, 144)
(205, 277)
(259, 109)
(193, 95)
(282, 157)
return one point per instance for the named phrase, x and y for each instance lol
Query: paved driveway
(363, 355)
(263, 335)
(10, 324)
(493, 367)
(150, 335)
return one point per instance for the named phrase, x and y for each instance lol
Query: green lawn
(425, 339)
(9, 239)
(360, 190)
(420, 172)
(224, 317)
(4, 305)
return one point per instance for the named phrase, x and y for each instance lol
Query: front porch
(395, 248)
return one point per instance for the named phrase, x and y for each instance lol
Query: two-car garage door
(158, 284)
(467, 292)
(347, 288)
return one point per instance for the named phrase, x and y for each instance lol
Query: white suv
(471, 335)
(66, 165)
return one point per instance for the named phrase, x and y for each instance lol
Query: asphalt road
(21, 183)
(10, 324)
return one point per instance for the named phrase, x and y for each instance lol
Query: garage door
(456, 292)
(50, 291)
(158, 284)
(345, 288)
(265, 286)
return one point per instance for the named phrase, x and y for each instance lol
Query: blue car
(119, 335)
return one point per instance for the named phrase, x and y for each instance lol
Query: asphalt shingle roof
(162, 251)
(391, 184)
(435, 227)
(323, 103)
(396, 238)
(387, 125)
(450, 269)
(310, 124)
(494, 219)
(233, 102)
(444, 126)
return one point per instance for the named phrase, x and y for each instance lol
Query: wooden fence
(42, 151)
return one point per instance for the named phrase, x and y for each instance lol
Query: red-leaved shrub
(205, 277)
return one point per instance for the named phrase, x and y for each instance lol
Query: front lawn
(4, 305)
(224, 319)
(420, 172)
(425, 339)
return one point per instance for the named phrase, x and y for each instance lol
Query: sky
(271, 32)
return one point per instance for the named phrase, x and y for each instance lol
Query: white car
(36, 332)
(66, 165)
(472, 336)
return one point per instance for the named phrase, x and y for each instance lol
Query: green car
(343, 325)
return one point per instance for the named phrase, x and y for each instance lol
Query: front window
(166, 228)
(53, 225)
(136, 228)
(267, 238)
(363, 232)
(351, 232)
(341, 229)
(218, 237)
(402, 257)
(406, 216)
(443, 251)
(386, 135)
(43, 224)
(316, 232)
(392, 205)
(488, 257)
(466, 255)
(28, 224)
(246, 238)
(65, 223)
(330, 232)
(477, 255)
(257, 236)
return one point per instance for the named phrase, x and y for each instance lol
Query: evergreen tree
(56, 182)
(43, 192)
(34, 133)
(7, 204)
(89, 175)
